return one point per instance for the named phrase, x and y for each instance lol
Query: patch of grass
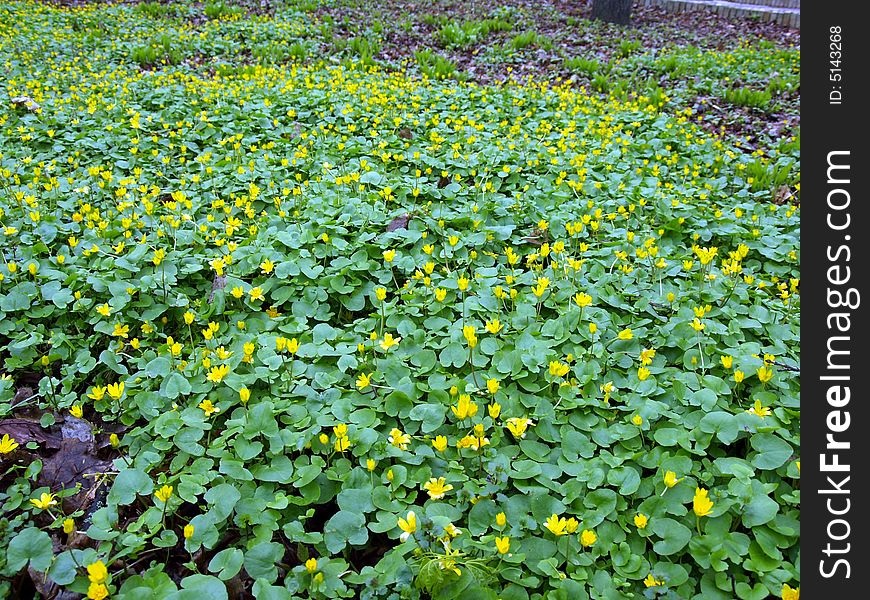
(744, 96)
(155, 10)
(435, 66)
(460, 34)
(365, 48)
(766, 175)
(779, 85)
(584, 66)
(277, 52)
(530, 38)
(628, 47)
(218, 10)
(159, 50)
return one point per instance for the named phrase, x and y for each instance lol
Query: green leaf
(128, 484)
(227, 563)
(30, 545)
(431, 415)
(175, 385)
(344, 527)
(197, 587)
(159, 367)
(223, 499)
(773, 451)
(261, 561)
(674, 536)
(760, 510)
(723, 424)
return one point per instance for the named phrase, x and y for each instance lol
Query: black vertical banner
(834, 263)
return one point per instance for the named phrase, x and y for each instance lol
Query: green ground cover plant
(316, 327)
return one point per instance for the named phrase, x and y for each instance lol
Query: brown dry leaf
(537, 237)
(400, 222)
(782, 194)
(25, 431)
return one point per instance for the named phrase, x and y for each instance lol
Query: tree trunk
(612, 11)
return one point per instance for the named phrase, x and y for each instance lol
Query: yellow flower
(738, 376)
(408, 525)
(7, 444)
(237, 292)
(342, 444)
(440, 294)
(588, 537)
(501, 519)
(464, 407)
(158, 257)
(217, 374)
(116, 390)
(637, 420)
(256, 293)
(244, 395)
(97, 591)
(671, 479)
(494, 410)
(97, 572)
(790, 593)
(625, 334)
(758, 410)
(697, 325)
(470, 334)
(593, 328)
(701, 504)
(556, 525)
(363, 381)
(440, 443)
(558, 369)
(518, 426)
(643, 373)
(311, 565)
(571, 525)
(267, 266)
(76, 411)
(727, 361)
(113, 440)
(121, 330)
(371, 464)
(651, 581)
(764, 374)
(503, 544)
(389, 341)
(44, 501)
(389, 255)
(381, 293)
(188, 531)
(492, 385)
(462, 283)
(104, 309)
(646, 356)
(208, 408)
(164, 493)
(437, 488)
(640, 520)
(493, 326)
(582, 300)
(399, 439)
(69, 526)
